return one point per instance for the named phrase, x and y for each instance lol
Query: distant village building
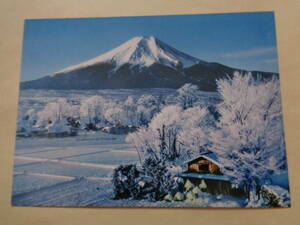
(207, 168)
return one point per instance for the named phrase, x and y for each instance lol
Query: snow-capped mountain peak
(141, 51)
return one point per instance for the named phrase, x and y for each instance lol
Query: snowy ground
(73, 171)
(76, 171)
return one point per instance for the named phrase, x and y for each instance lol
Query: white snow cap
(142, 51)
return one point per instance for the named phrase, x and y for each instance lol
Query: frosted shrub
(196, 190)
(202, 199)
(275, 196)
(125, 181)
(191, 196)
(179, 196)
(160, 180)
(202, 185)
(188, 185)
(168, 198)
(152, 182)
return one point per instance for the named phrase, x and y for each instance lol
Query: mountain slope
(141, 62)
(142, 51)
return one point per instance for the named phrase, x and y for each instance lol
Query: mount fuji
(141, 62)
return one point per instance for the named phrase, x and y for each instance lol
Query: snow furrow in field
(66, 178)
(25, 183)
(123, 151)
(45, 149)
(46, 175)
(93, 165)
(99, 178)
(34, 195)
(77, 192)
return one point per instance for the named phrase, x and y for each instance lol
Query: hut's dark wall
(218, 187)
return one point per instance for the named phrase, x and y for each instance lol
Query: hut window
(203, 167)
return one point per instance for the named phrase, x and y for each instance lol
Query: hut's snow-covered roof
(209, 156)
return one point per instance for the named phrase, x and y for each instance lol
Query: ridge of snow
(142, 51)
(74, 163)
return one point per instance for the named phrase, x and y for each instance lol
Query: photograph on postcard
(151, 111)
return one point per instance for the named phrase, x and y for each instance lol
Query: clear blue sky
(240, 40)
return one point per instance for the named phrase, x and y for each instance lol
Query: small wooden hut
(207, 168)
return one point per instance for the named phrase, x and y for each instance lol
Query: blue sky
(240, 40)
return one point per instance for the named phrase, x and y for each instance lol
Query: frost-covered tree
(54, 116)
(144, 140)
(193, 135)
(195, 117)
(147, 107)
(249, 139)
(55, 111)
(137, 112)
(92, 108)
(187, 95)
(27, 121)
(173, 134)
(166, 126)
(129, 107)
(114, 115)
(159, 139)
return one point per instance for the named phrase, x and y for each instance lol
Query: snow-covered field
(68, 171)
